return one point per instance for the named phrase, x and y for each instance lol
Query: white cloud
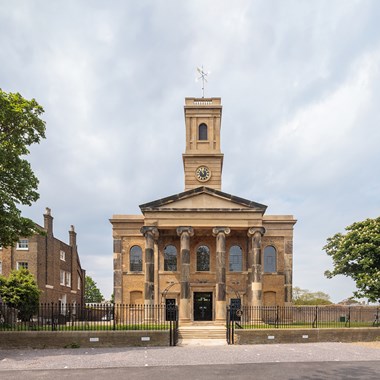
(299, 83)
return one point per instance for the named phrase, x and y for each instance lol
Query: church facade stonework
(203, 249)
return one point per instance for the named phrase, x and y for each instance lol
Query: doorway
(202, 306)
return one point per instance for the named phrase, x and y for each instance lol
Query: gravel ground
(186, 355)
(369, 344)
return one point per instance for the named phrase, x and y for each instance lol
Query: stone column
(255, 285)
(151, 234)
(184, 307)
(156, 269)
(220, 307)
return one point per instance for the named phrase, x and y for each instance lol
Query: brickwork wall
(60, 339)
(275, 336)
(44, 262)
(67, 339)
(132, 281)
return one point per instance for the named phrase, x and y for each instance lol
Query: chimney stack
(73, 237)
(48, 222)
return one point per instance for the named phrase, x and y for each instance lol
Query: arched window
(202, 131)
(203, 258)
(236, 259)
(170, 258)
(270, 259)
(135, 259)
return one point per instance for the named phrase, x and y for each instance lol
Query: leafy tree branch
(20, 127)
(356, 254)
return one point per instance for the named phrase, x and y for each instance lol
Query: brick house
(203, 249)
(54, 264)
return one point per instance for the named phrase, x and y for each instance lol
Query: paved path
(340, 361)
(285, 371)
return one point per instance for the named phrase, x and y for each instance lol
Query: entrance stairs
(200, 334)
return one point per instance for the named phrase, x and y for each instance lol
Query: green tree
(20, 127)
(305, 297)
(92, 293)
(21, 292)
(356, 254)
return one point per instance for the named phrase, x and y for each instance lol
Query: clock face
(203, 173)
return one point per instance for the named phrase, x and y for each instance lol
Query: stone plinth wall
(306, 335)
(75, 339)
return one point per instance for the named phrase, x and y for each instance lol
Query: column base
(220, 310)
(184, 309)
(149, 311)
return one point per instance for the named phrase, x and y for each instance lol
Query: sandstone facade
(203, 249)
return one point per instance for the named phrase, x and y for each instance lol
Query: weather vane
(203, 77)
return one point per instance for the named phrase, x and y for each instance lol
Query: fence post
(228, 325)
(113, 317)
(315, 322)
(376, 321)
(277, 309)
(349, 316)
(52, 316)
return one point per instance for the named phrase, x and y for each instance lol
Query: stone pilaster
(151, 234)
(117, 271)
(288, 271)
(185, 298)
(220, 307)
(255, 285)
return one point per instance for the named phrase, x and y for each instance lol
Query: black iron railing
(331, 316)
(72, 317)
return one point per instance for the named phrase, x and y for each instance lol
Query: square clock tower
(203, 160)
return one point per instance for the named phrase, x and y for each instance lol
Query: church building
(203, 249)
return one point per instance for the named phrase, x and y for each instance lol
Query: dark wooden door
(202, 306)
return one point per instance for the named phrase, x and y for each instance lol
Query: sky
(300, 88)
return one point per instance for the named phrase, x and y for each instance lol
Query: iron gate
(172, 317)
(233, 317)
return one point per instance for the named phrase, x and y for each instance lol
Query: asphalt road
(287, 361)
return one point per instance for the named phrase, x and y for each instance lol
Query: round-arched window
(236, 259)
(170, 258)
(202, 131)
(270, 259)
(135, 259)
(203, 258)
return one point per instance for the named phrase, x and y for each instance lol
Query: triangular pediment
(203, 201)
(202, 198)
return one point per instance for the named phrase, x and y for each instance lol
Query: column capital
(219, 230)
(181, 230)
(150, 229)
(255, 233)
(252, 231)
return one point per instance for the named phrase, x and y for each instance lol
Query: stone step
(202, 342)
(202, 332)
(219, 324)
